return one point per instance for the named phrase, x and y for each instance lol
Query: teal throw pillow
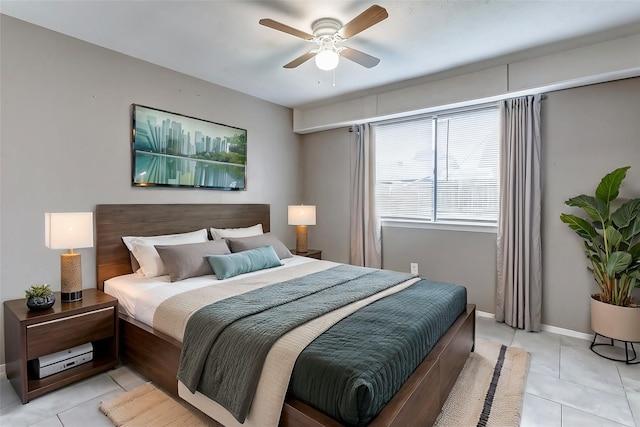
(226, 266)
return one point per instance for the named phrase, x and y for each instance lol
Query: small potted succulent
(40, 297)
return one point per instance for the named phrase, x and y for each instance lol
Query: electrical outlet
(414, 268)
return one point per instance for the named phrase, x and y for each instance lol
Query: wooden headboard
(115, 221)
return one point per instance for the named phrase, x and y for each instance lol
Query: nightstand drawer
(49, 337)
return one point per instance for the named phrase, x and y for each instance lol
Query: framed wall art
(174, 150)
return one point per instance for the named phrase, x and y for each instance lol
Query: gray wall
(464, 257)
(326, 180)
(65, 141)
(586, 132)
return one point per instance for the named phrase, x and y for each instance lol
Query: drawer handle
(69, 317)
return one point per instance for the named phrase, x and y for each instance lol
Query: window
(439, 168)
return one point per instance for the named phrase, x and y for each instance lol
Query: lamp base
(302, 246)
(70, 296)
(70, 277)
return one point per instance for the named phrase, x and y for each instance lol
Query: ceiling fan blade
(300, 60)
(366, 19)
(285, 28)
(359, 57)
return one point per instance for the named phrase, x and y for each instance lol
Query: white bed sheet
(139, 296)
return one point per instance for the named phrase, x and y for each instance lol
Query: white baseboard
(567, 332)
(2, 369)
(546, 328)
(485, 314)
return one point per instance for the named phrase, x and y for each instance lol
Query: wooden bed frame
(156, 355)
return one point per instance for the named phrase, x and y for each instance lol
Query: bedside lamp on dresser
(302, 216)
(69, 231)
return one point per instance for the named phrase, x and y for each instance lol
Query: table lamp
(68, 231)
(301, 216)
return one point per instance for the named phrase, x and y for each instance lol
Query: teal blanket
(351, 371)
(225, 343)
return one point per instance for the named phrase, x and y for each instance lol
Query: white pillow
(221, 233)
(146, 254)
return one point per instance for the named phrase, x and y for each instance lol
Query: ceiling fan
(328, 33)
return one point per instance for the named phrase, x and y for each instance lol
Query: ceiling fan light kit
(327, 59)
(328, 33)
(325, 33)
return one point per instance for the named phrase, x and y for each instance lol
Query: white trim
(448, 226)
(567, 332)
(3, 370)
(546, 328)
(485, 314)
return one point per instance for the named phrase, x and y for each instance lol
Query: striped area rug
(489, 390)
(488, 393)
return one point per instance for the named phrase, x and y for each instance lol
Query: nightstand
(311, 253)
(32, 334)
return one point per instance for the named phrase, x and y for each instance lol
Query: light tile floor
(567, 386)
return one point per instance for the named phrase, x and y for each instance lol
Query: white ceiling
(222, 42)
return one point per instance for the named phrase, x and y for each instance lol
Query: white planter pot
(619, 323)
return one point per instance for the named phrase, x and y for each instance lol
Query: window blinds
(439, 168)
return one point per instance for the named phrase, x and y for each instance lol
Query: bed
(156, 354)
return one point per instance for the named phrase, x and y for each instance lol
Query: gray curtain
(519, 288)
(365, 224)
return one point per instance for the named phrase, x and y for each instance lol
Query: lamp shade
(302, 215)
(69, 230)
(327, 59)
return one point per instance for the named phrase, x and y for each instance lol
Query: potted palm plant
(611, 240)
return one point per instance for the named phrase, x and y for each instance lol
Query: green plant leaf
(609, 187)
(592, 252)
(626, 213)
(594, 207)
(634, 251)
(598, 242)
(579, 225)
(593, 256)
(632, 231)
(617, 262)
(613, 237)
(38, 291)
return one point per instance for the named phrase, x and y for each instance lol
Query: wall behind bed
(65, 138)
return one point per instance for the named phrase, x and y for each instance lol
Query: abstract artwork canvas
(170, 149)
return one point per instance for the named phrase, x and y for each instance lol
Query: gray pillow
(188, 260)
(267, 239)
